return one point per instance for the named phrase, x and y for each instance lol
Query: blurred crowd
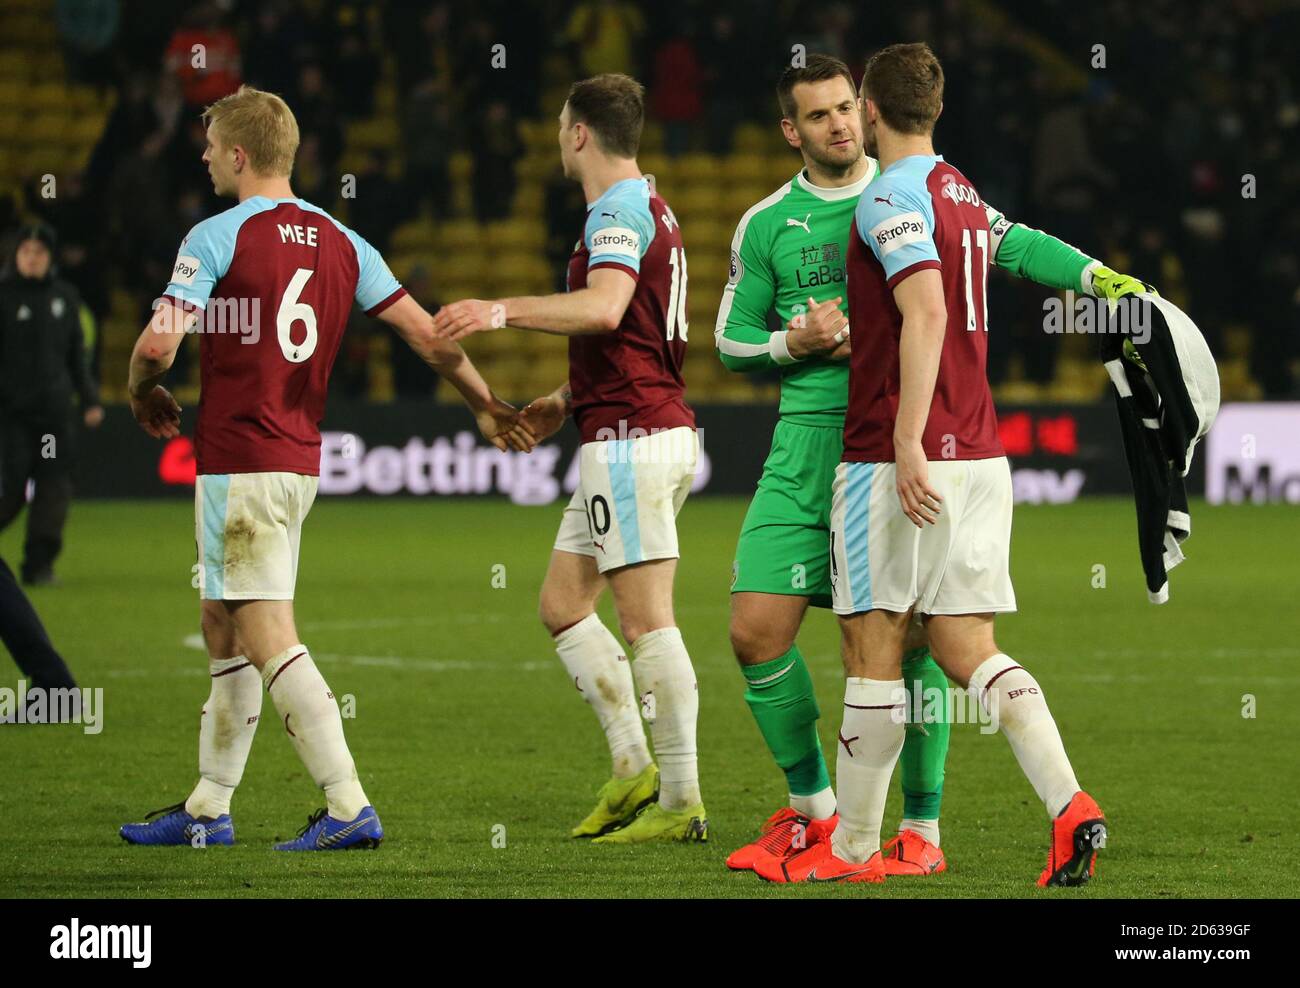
(1162, 136)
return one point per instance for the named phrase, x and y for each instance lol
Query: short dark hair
(906, 84)
(816, 68)
(613, 106)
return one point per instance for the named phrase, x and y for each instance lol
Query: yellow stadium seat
(707, 234)
(742, 169)
(530, 199)
(654, 164)
(460, 166)
(515, 235)
(457, 268)
(47, 96)
(782, 166)
(460, 235)
(377, 133)
(13, 66)
(697, 168)
(698, 202)
(750, 137)
(50, 126)
(652, 136)
(416, 235)
(13, 94)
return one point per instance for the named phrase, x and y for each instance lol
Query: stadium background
(456, 172)
(1141, 163)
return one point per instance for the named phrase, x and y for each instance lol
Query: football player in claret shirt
(788, 256)
(269, 284)
(921, 504)
(625, 316)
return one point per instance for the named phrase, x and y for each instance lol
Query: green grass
(465, 719)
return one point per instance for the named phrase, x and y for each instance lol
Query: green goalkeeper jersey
(791, 247)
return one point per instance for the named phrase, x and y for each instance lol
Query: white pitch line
(195, 641)
(829, 670)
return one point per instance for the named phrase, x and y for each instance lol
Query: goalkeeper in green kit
(788, 254)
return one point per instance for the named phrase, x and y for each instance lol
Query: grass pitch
(468, 735)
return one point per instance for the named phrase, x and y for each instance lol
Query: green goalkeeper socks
(780, 695)
(925, 746)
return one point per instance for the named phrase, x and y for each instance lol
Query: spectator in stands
(379, 205)
(317, 113)
(79, 219)
(603, 36)
(496, 149)
(204, 55)
(42, 364)
(88, 29)
(675, 86)
(270, 43)
(359, 66)
(728, 61)
(427, 138)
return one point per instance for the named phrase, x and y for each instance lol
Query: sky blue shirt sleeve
(375, 282)
(203, 260)
(896, 220)
(619, 229)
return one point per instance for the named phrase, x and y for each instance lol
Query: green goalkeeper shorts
(784, 544)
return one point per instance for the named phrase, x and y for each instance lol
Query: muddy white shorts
(247, 526)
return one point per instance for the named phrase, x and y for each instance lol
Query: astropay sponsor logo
(456, 466)
(616, 240)
(1253, 454)
(102, 942)
(898, 231)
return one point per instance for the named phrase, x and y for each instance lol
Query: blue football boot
(324, 833)
(174, 826)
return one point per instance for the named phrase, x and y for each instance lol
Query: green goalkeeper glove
(1112, 285)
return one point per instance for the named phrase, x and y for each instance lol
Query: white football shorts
(960, 565)
(624, 510)
(247, 526)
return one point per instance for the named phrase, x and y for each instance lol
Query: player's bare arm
(151, 358)
(598, 308)
(498, 420)
(925, 320)
(822, 331)
(545, 416)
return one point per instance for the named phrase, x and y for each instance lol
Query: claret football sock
(226, 731)
(780, 696)
(925, 746)
(311, 718)
(870, 740)
(1014, 697)
(670, 703)
(602, 675)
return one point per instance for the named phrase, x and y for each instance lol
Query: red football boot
(818, 863)
(911, 854)
(1078, 833)
(786, 832)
